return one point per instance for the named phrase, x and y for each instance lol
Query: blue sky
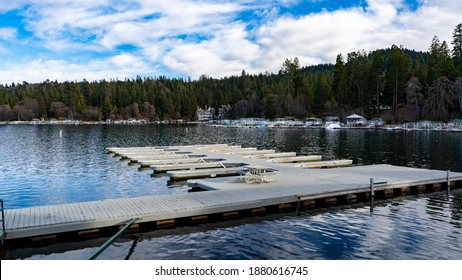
(101, 39)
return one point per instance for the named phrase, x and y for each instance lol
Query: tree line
(408, 83)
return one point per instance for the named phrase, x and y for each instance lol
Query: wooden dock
(327, 164)
(295, 159)
(201, 173)
(161, 168)
(223, 198)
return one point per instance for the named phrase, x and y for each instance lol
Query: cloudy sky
(101, 39)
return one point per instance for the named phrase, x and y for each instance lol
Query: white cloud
(228, 53)
(8, 33)
(207, 36)
(7, 36)
(120, 66)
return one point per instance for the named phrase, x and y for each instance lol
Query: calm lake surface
(52, 164)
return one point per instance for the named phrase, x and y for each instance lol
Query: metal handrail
(113, 238)
(3, 221)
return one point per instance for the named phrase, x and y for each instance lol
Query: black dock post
(448, 177)
(371, 185)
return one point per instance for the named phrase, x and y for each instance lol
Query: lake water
(51, 164)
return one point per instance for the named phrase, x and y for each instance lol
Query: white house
(356, 120)
(205, 115)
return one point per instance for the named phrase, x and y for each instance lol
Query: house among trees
(356, 120)
(205, 115)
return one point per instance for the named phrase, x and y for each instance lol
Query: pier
(293, 185)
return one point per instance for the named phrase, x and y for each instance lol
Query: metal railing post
(448, 178)
(113, 239)
(371, 185)
(3, 221)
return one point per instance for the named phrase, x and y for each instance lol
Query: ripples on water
(39, 167)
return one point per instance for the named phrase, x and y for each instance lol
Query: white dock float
(120, 151)
(231, 149)
(327, 164)
(224, 148)
(135, 159)
(207, 147)
(146, 153)
(147, 163)
(275, 155)
(128, 149)
(295, 159)
(201, 173)
(185, 166)
(254, 152)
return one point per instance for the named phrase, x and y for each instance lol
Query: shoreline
(441, 127)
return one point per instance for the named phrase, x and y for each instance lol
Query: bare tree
(441, 98)
(414, 95)
(241, 109)
(458, 91)
(6, 114)
(149, 111)
(59, 109)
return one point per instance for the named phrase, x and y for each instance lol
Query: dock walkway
(227, 196)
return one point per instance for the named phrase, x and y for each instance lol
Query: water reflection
(39, 167)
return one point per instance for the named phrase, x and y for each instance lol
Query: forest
(405, 84)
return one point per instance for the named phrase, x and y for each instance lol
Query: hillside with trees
(406, 84)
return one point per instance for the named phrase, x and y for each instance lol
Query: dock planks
(295, 159)
(326, 164)
(185, 166)
(208, 172)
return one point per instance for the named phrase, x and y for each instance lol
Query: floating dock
(291, 188)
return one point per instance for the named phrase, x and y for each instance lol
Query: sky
(68, 40)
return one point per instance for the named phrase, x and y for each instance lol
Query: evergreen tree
(458, 92)
(377, 75)
(340, 85)
(290, 70)
(106, 109)
(440, 63)
(398, 73)
(358, 66)
(457, 48)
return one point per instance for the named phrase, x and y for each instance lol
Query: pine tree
(440, 63)
(340, 85)
(457, 48)
(398, 73)
(377, 75)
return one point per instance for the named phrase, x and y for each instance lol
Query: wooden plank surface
(296, 159)
(327, 164)
(208, 172)
(275, 155)
(184, 166)
(169, 161)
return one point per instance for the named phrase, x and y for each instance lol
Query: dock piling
(371, 185)
(299, 201)
(448, 176)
